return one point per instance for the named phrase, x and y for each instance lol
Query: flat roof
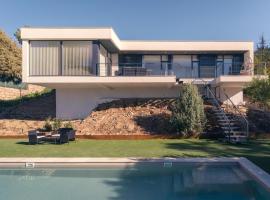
(109, 38)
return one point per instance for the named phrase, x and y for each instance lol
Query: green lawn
(257, 151)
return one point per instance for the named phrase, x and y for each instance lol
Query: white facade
(88, 66)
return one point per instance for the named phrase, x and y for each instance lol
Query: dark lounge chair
(35, 137)
(69, 131)
(64, 135)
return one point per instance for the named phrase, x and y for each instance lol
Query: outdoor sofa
(62, 135)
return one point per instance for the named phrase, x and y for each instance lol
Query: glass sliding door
(228, 63)
(45, 58)
(77, 58)
(152, 64)
(207, 66)
(237, 64)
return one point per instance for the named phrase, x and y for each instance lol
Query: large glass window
(44, 58)
(207, 66)
(237, 64)
(77, 58)
(67, 58)
(130, 60)
(153, 64)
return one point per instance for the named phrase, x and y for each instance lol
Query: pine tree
(262, 57)
(10, 59)
(262, 43)
(188, 112)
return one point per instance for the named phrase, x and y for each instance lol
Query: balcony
(147, 69)
(172, 69)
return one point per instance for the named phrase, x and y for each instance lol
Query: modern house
(88, 66)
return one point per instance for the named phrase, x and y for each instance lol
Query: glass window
(77, 58)
(207, 66)
(130, 60)
(44, 58)
(152, 64)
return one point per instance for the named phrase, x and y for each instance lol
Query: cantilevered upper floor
(97, 55)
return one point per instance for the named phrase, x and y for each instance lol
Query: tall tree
(262, 43)
(17, 35)
(188, 111)
(10, 59)
(262, 56)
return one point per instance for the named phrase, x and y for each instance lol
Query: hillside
(119, 117)
(10, 59)
(128, 117)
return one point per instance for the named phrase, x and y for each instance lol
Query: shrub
(47, 126)
(56, 124)
(258, 90)
(68, 125)
(188, 112)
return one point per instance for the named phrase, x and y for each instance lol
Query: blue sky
(146, 19)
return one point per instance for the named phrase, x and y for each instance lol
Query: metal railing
(215, 103)
(168, 69)
(237, 114)
(180, 70)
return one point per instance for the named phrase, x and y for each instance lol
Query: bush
(68, 125)
(47, 126)
(259, 91)
(56, 124)
(188, 112)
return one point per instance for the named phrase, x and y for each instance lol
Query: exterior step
(232, 127)
(220, 113)
(223, 120)
(237, 139)
(227, 123)
(233, 132)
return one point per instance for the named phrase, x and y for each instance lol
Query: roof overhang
(110, 40)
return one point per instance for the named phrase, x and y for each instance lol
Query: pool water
(138, 182)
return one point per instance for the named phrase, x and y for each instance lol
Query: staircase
(233, 124)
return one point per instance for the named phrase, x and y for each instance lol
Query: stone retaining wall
(7, 93)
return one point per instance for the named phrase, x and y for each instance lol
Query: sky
(146, 19)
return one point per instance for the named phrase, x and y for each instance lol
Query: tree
(262, 57)
(10, 59)
(17, 35)
(188, 111)
(258, 90)
(262, 43)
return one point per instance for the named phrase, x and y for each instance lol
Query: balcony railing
(172, 69)
(154, 69)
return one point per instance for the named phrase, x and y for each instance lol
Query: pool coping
(252, 169)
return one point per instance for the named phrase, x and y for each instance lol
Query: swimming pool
(130, 179)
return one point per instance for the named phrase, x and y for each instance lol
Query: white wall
(234, 93)
(77, 103)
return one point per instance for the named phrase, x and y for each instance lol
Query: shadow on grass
(257, 151)
(23, 143)
(49, 142)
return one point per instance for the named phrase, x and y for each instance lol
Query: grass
(257, 151)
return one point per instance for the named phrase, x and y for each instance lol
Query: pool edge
(255, 171)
